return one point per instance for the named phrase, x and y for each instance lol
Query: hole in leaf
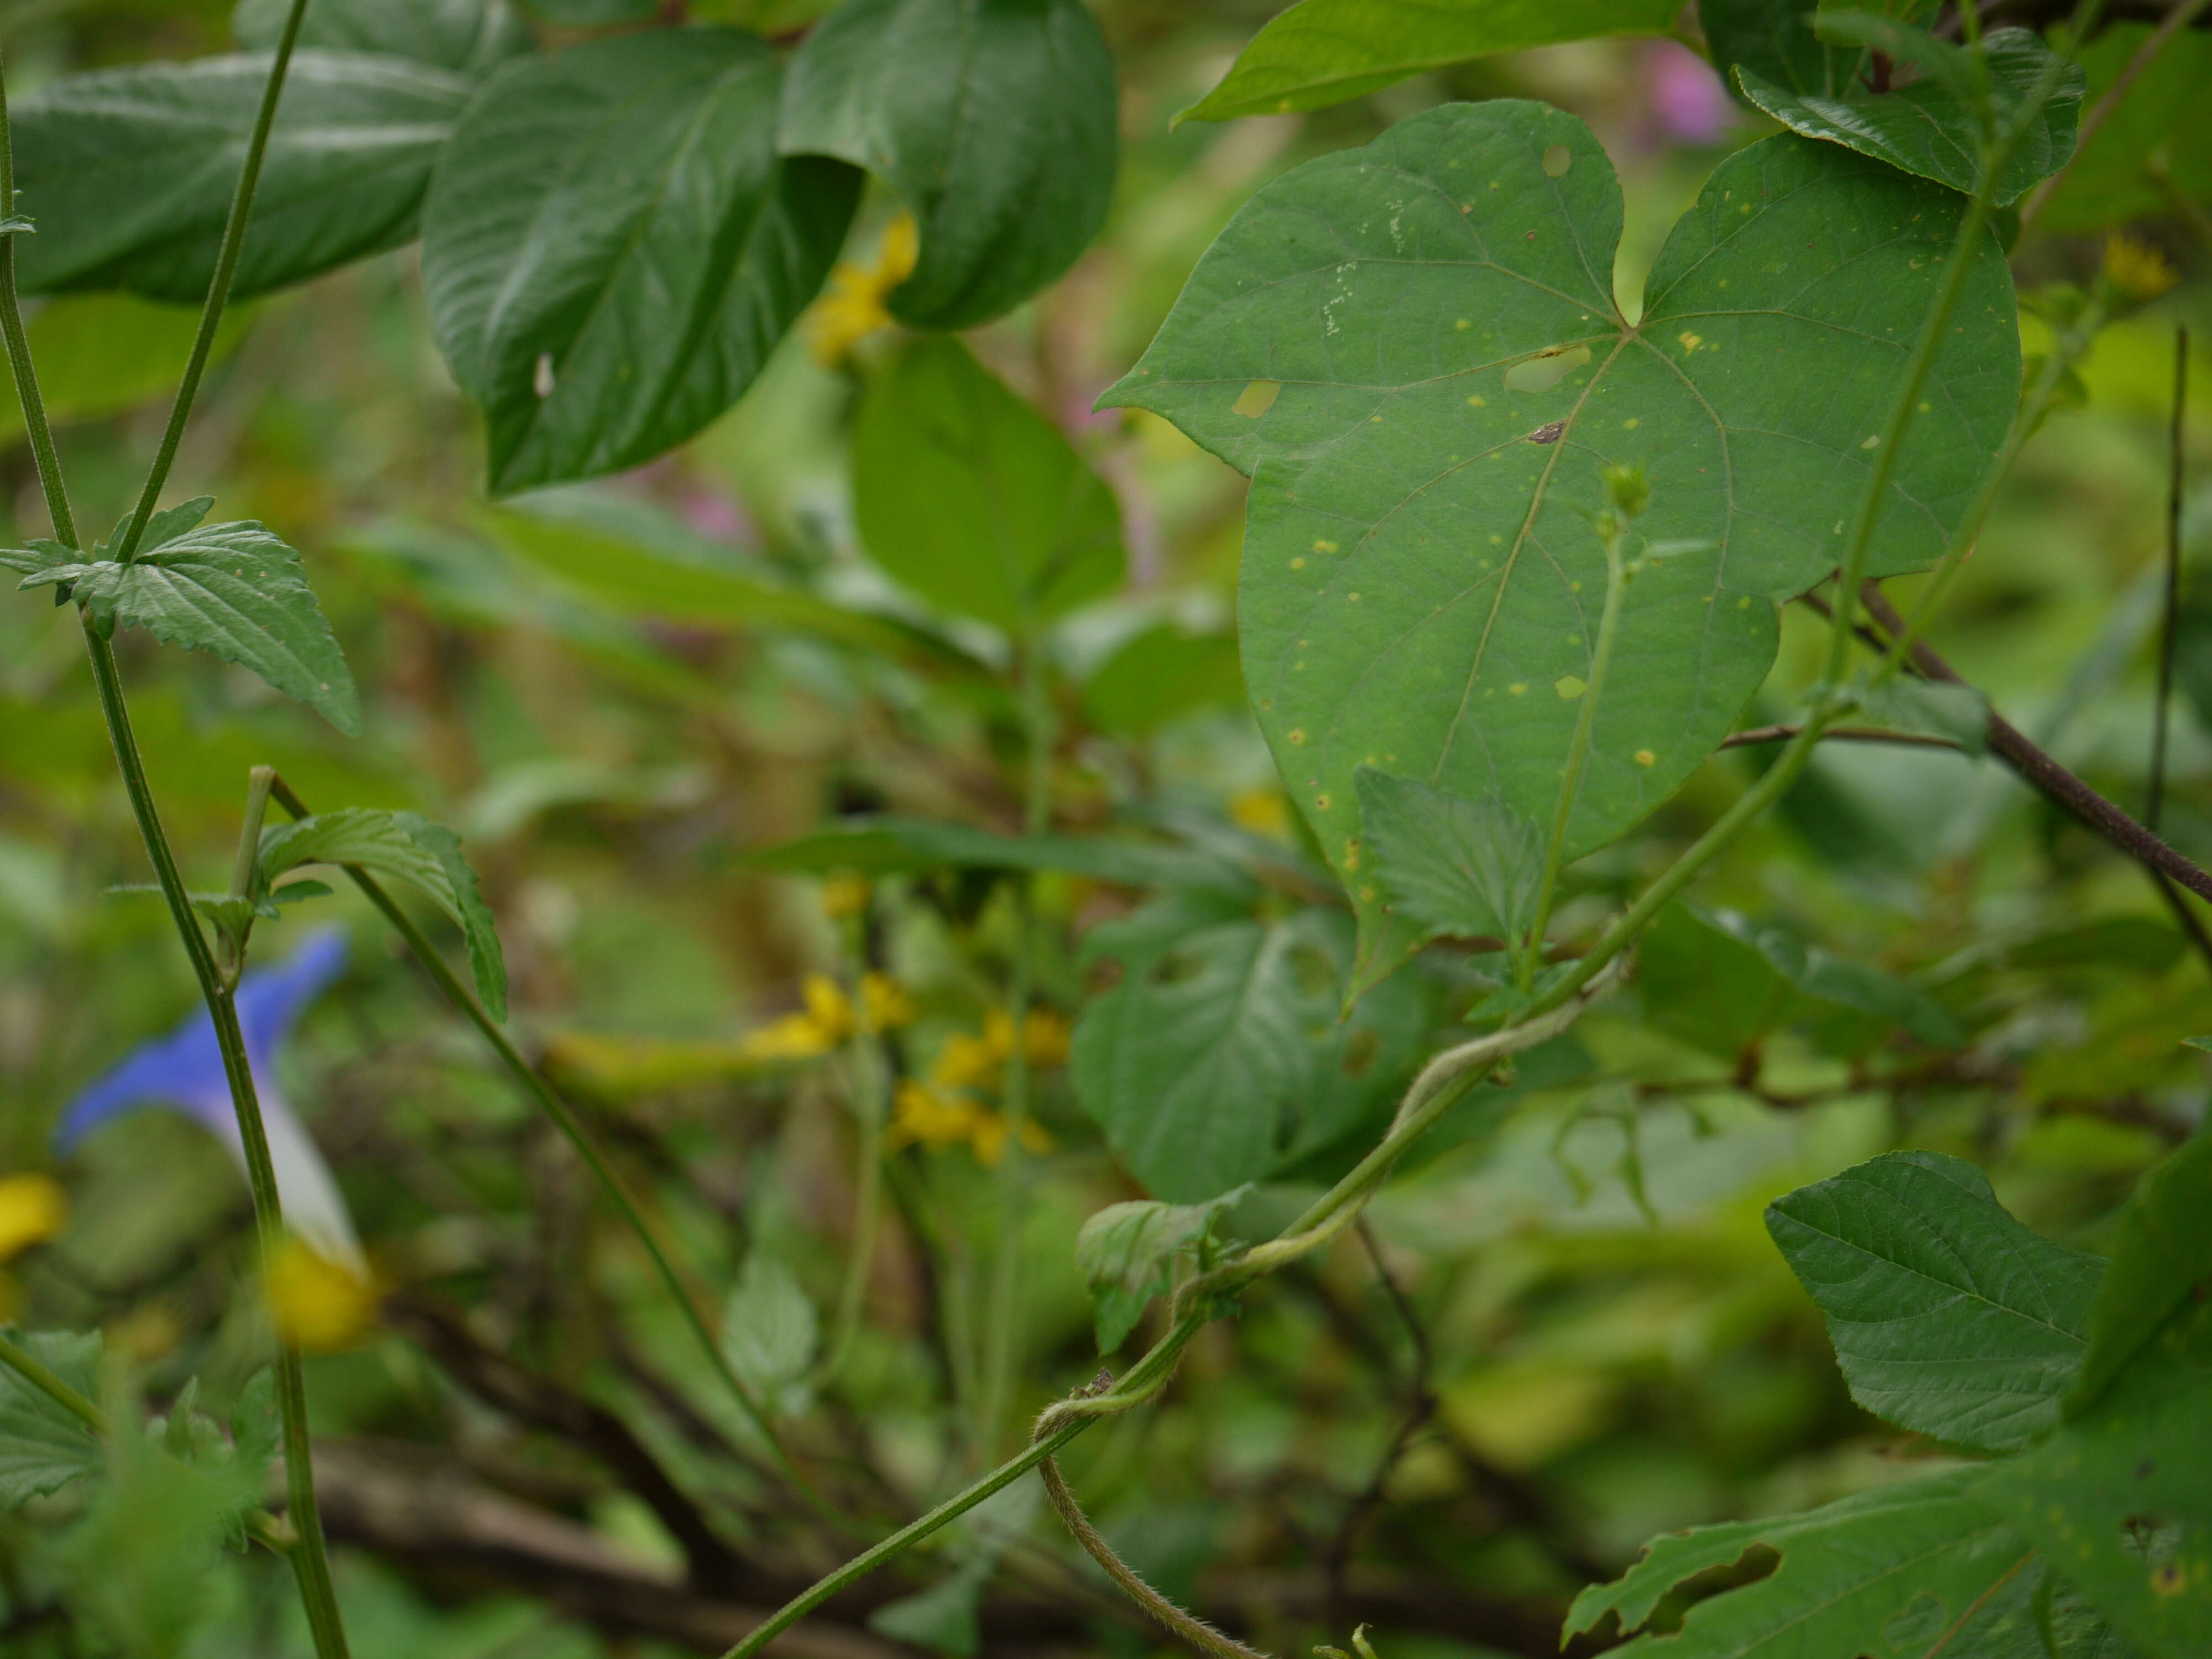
(1546, 368)
(1557, 160)
(1256, 400)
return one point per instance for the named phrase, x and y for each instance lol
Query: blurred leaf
(944, 1618)
(611, 248)
(1160, 675)
(973, 500)
(1394, 608)
(129, 172)
(2161, 128)
(1461, 868)
(592, 13)
(769, 1330)
(1949, 1318)
(101, 354)
(1322, 51)
(1922, 128)
(2135, 942)
(1004, 204)
(1774, 40)
(888, 847)
(233, 590)
(2161, 1257)
(1221, 1031)
(470, 37)
(43, 1447)
(1887, 1572)
(2120, 1495)
(1126, 1255)
(1957, 713)
(406, 847)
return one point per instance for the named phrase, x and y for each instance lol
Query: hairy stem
(564, 1118)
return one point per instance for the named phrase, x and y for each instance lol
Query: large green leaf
(1889, 1572)
(2121, 1497)
(611, 248)
(973, 499)
(42, 1446)
(101, 354)
(1323, 51)
(1774, 39)
(233, 590)
(129, 172)
(405, 846)
(995, 121)
(1420, 578)
(2161, 1255)
(470, 37)
(1949, 1318)
(1219, 1055)
(1922, 127)
(1161, 675)
(2157, 144)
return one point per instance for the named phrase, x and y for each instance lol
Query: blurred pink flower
(1688, 104)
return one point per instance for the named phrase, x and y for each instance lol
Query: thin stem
(565, 1119)
(2154, 805)
(18, 350)
(868, 1071)
(1571, 781)
(1003, 1312)
(218, 294)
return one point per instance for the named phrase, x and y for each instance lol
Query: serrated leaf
(1957, 713)
(1323, 51)
(971, 498)
(611, 248)
(233, 590)
(42, 1446)
(1924, 129)
(1222, 1051)
(1949, 1318)
(769, 1329)
(409, 848)
(2120, 1495)
(1889, 1572)
(2161, 1257)
(1420, 578)
(469, 37)
(1126, 1254)
(130, 171)
(1004, 204)
(1457, 867)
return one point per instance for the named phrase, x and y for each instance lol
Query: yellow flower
(884, 1004)
(990, 1138)
(843, 897)
(1044, 1037)
(827, 1022)
(319, 1306)
(1260, 810)
(852, 307)
(939, 1119)
(966, 1061)
(33, 1209)
(2137, 269)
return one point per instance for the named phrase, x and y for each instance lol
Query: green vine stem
(564, 1118)
(311, 1557)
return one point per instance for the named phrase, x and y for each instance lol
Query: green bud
(1628, 489)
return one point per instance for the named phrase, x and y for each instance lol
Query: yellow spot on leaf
(1256, 400)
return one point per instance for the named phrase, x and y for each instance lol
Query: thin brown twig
(1760, 734)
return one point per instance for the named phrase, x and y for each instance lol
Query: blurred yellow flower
(852, 308)
(1260, 810)
(843, 897)
(33, 1209)
(938, 1119)
(966, 1061)
(319, 1306)
(969, 1061)
(885, 1003)
(2137, 269)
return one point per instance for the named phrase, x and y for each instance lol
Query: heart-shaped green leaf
(995, 120)
(233, 590)
(129, 172)
(470, 37)
(973, 499)
(1924, 129)
(611, 248)
(1322, 51)
(1421, 579)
